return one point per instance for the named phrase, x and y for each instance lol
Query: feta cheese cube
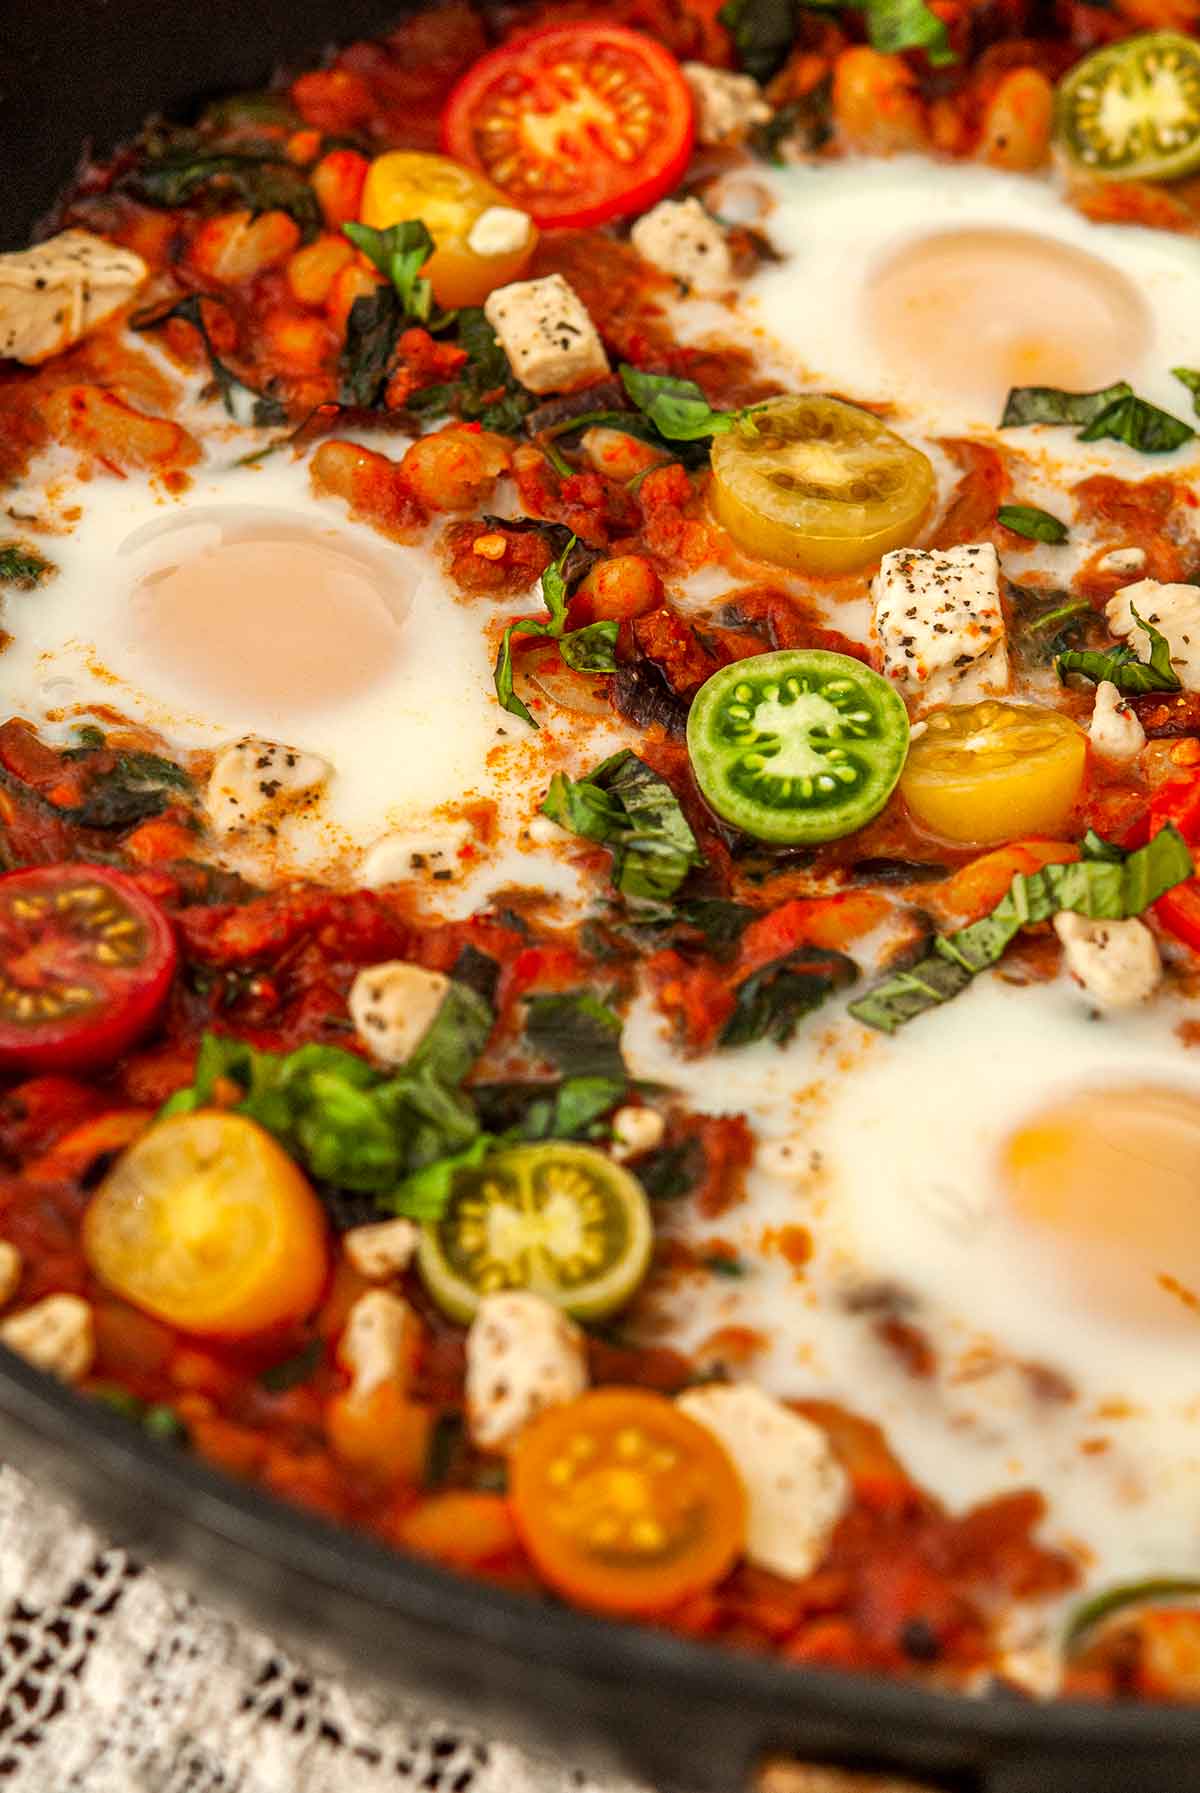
(1122, 560)
(56, 1334)
(547, 334)
(523, 1355)
(381, 1249)
(393, 1006)
(378, 1342)
(53, 294)
(727, 105)
(796, 1490)
(255, 781)
(1117, 962)
(1174, 610)
(1114, 731)
(683, 240)
(501, 230)
(940, 624)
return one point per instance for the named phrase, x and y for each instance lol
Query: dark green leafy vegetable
(771, 1002)
(243, 403)
(763, 32)
(1036, 525)
(1155, 1591)
(721, 922)
(1050, 404)
(350, 1125)
(290, 1372)
(23, 567)
(249, 112)
(577, 1032)
(1121, 666)
(478, 971)
(365, 362)
(137, 786)
(677, 408)
(570, 1109)
(1115, 413)
(485, 391)
(1191, 379)
(672, 1170)
(400, 252)
(896, 25)
(805, 123)
(1106, 884)
(265, 181)
(1142, 425)
(590, 649)
(635, 813)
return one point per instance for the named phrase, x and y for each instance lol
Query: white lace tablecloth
(113, 1681)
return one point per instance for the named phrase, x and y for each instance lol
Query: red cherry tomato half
(86, 961)
(575, 123)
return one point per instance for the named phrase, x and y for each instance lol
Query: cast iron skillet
(618, 1696)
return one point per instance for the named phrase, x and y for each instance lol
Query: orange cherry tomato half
(624, 1504)
(86, 960)
(575, 123)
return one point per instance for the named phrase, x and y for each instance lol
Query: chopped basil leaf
(423, 1195)
(677, 408)
(591, 649)
(578, 1032)
(477, 971)
(485, 391)
(265, 182)
(672, 1170)
(371, 330)
(277, 1378)
(1050, 404)
(896, 25)
(771, 1002)
(456, 1036)
(1027, 520)
(570, 1109)
(1190, 377)
(23, 567)
(763, 32)
(628, 808)
(1105, 884)
(350, 1125)
(721, 922)
(1143, 426)
(400, 252)
(247, 407)
(1121, 666)
(137, 786)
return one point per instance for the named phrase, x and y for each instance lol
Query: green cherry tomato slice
(1131, 111)
(561, 1220)
(797, 747)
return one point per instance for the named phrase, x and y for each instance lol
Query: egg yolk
(264, 612)
(972, 313)
(1109, 1181)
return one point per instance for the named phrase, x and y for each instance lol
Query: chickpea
(1017, 122)
(623, 587)
(455, 469)
(237, 246)
(617, 454)
(876, 106)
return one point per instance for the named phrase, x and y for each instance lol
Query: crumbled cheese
(796, 1491)
(431, 852)
(10, 1271)
(1117, 962)
(940, 624)
(378, 1342)
(685, 241)
(545, 331)
(501, 230)
(53, 294)
(523, 1355)
(256, 781)
(727, 105)
(57, 1335)
(381, 1249)
(636, 1131)
(1114, 731)
(1174, 610)
(1122, 560)
(393, 1006)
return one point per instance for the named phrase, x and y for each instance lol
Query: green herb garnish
(590, 649)
(577, 1032)
(1105, 884)
(677, 408)
(265, 181)
(1190, 376)
(485, 391)
(23, 567)
(628, 808)
(1034, 524)
(771, 1002)
(1121, 666)
(400, 252)
(1115, 412)
(765, 31)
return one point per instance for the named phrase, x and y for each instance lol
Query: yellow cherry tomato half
(469, 259)
(815, 483)
(991, 771)
(206, 1223)
(624, 1503)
